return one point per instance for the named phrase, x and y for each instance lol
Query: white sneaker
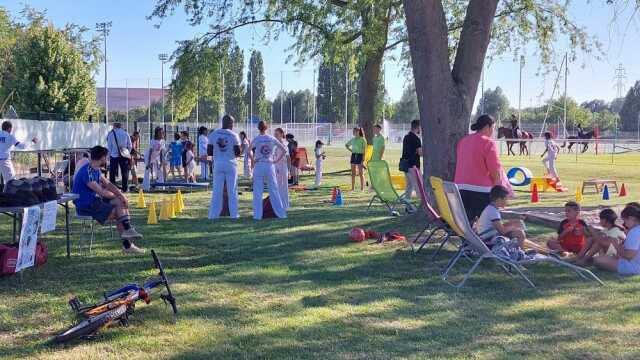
(130, 234)
(133, 250)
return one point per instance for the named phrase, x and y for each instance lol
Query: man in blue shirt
(102, 200)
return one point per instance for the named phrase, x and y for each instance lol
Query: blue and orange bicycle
(116, 307)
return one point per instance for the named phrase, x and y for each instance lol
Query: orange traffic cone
(623, 191)
(534, 194)
(334, 193)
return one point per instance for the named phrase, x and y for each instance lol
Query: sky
(134, 44)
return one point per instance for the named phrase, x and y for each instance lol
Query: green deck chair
(381, 182)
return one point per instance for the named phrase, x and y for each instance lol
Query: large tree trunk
(368, 92)
(445, 95)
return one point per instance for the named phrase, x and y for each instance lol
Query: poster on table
(49, 213)
(28, 238)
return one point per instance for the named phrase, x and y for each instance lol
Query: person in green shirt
(357, 146)
(378, 143)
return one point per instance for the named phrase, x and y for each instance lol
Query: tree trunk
(368, 92)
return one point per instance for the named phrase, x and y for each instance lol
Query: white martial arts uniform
(203, 141)
(246, 158)
(224, 170)
(153, 157)
(265, 173)
(282, 175)
(550, 159)
(318, 154)
(7, 140)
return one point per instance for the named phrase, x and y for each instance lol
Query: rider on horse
(514, 127)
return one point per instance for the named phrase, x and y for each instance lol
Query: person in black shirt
(411, 149)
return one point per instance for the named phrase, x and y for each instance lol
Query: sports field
(299, 289)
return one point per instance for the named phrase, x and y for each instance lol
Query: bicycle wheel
(90, 326)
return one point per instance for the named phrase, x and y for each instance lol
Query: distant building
(138, 98)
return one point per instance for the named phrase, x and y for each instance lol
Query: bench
(598, 185)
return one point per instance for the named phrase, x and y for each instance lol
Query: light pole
(105, 28)
(163, 58)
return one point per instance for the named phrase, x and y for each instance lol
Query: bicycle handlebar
(169, 296)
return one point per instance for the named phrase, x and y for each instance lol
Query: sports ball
(357, 235)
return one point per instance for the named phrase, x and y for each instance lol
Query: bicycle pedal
(75, 304)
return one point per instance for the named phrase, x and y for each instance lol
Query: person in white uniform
(154, 158)
(551, 150)
(7, 141)
(320, 156)
(226, 148)
(245, 149)
(264, 171)
(203, 142)
(282, 169)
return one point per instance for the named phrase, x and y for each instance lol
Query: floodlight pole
(105, 28)
(281, 97)
(520, 93)
(163, 58)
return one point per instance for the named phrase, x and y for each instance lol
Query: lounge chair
(381, 183)
(303, 163)
(474, 246)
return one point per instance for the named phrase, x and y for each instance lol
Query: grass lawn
(299, 289)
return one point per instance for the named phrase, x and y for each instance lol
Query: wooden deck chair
(475, 246)
(303, 160)
(434, 221)
(381, 183)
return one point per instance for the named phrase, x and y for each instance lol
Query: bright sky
(134, 44)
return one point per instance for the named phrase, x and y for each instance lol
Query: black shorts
(474, 203)
(357, 159)
(99, 210)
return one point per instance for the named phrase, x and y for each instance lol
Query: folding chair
(304, 164)
(473, 245)
(381, 182)
(434, 223)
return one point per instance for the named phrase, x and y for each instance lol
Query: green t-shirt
(378, 144)
(358, 144)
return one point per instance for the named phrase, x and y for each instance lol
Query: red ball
(357, 235)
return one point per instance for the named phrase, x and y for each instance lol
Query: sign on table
(49, 213)
(28, 238)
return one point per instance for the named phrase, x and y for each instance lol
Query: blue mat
(180, 184)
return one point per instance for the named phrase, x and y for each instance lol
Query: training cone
(152, 219)
(141, 203)
(164, 214)
(181, 200)
(578, 194)
(623, 191)
(177, 204)
(605, 193)
(534, 194)
(339, 199)
(333, 195)
(172, 208)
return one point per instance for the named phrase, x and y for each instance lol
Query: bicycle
(117, 306)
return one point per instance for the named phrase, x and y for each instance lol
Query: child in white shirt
(551, 150)
(320, 156)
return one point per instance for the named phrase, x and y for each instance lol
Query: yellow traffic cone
(171, 208)
(579, 194)
(141, 203)
(164, 215)
(181, 200)
(152, 219)
(176, 204)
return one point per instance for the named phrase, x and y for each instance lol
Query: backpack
(267, 209)
(21, 193)
(9, 257)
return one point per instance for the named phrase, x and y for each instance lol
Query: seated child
(490, 224)
(603, 245)
(627, 258)
(572, 232)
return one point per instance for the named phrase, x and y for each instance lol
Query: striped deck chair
(473, 246)
(381, 182)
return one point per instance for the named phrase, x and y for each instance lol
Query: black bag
(21, 193)
(49, 189)
(404, 165)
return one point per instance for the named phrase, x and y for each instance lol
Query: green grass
(298, 289)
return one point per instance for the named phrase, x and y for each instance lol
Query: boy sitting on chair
(490, 224)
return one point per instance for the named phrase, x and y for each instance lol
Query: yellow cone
(152, 219)
(579, 194)
(177, 204)
(181, 200)
(141, 203)
(164, 214)
(171, 208)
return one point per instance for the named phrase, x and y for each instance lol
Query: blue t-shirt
(632, 242)
(84, 176)
(176, 152)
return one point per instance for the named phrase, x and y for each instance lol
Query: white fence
(59, 134)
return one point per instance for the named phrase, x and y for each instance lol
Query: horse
(507, 133)
(581, 136)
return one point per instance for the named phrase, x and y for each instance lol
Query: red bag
(267, 210)
(9, 257)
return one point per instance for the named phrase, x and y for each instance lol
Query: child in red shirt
(572, 232)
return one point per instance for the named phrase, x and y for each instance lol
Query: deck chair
(303, 163)
(381, 183)
(476, 247)
(434, 222)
